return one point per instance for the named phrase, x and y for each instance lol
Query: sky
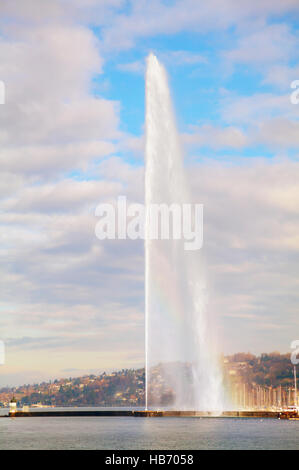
(71, 137)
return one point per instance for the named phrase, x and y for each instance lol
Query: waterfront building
(12, 405)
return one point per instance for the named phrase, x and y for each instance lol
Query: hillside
(126, 387)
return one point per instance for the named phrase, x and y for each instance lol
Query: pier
(143, 414)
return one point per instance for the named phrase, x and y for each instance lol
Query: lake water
(119, 433)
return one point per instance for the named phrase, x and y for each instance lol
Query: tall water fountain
(181, 364)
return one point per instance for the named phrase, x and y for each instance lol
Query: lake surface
(119, 433)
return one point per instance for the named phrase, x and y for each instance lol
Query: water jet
(181, 362)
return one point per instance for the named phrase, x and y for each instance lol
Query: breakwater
(144, 414)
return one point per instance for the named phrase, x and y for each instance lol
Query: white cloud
(281, 76)
(216, 137)
(185, 58)
(133, 67)
(266, 118)
(267, 44)
(48, 62)
(155, 17)
(174, 58)
(62, 289)
(51, 124)
(66, 196)
(251, 246)
(279, 133)
(29, 12)
(253, 109)
(66, 278)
